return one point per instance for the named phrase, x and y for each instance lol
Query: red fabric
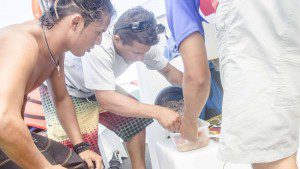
(35, 110)
(208, 7)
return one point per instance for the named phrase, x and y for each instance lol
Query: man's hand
(169, 119)
(89, 157)
(189, 129)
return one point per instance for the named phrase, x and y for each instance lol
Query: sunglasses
(142, 26)
(136, 26)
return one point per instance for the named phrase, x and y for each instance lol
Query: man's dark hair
(128, 36)
(90, 10)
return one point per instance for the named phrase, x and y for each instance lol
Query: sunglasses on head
(142, 26)
(137, 26)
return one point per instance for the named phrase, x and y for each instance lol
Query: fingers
(92, 159)
(170, 129)
(102, 166)
(170, 120)
(177, 126)
(178, 123)
(98, 162)
(174, 127)
(89, 163)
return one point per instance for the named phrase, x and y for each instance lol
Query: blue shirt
(186, 16)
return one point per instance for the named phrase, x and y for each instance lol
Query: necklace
(52, 57)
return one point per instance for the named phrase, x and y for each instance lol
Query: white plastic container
(184, 145)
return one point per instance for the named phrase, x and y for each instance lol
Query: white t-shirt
(98, 69)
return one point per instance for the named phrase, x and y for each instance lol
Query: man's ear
(76, 22)
(117, 38)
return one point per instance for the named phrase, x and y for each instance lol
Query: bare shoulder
(17, 38)
(18, 45)
(18, 51)
(18, 56)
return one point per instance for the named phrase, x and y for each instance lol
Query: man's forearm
(175, 77)
(196, 80)
(195, 96)
(126, 106)
(67, 117)
(17, 143)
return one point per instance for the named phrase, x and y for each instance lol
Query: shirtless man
(34, 51)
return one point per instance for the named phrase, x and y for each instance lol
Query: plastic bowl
(184, 145)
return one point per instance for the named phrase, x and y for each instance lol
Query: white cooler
(203, 158)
